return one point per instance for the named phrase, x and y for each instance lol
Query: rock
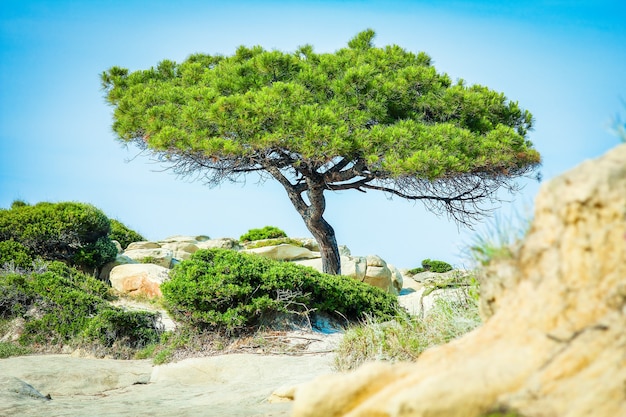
(554, 345)
(143, 245)
(396, 278)
(284, 252)
(221, 243)
(118, 246)
(378, 274)
(139, 279)
(120, 259)
(157, 256)
(180, 250)
(354, 267)
(17, 386)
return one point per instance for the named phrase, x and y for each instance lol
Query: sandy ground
(227, 385)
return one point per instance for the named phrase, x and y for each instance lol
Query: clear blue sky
(565, 61)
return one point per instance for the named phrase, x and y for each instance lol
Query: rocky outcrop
(170, 251)
(554, 344)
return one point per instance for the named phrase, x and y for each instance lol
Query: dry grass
(404, 339)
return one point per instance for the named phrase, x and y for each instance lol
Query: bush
(123, 234)
(268, 232)
(62, 305)
(137, 329)
(12, 252)
(432, 266)
(222, 289)
(75, 233)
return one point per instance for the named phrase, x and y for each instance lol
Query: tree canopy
(363, 118)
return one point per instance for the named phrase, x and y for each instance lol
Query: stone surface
(228, 385)
(157, 256)
(220, 243)
(139, 279)
(555, 342)
(283, 252)
(143, 245)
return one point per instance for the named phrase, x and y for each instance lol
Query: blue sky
(565, 61)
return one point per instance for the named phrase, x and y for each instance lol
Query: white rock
(220, 243)
(284, 252)
(143, 245)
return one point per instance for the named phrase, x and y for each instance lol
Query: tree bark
(324, 234)
(312, 213)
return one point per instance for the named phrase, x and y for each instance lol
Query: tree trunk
(324, 234)
(312, 213)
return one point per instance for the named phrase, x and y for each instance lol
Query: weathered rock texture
(556, 342)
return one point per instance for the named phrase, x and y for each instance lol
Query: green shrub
(62, 305)
(123, 234)
(432, 266)
(137, 329)
(75, 233)
(12, 252)
(16, 295)
(268, 232)
(222, 289)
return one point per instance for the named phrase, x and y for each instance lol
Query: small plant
(267, 232)
(148, 260)
(432, 266)
(497, 240)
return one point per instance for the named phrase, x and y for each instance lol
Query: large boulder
(139, 279)
(554, 344)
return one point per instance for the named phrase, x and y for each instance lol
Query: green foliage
(8, 349)
(363, 118)
(268, 232)
(222, 289)
(387, 108)
(433, 266)
(15, 253)
(123, 234)
(62, 305)
(405, 338)
(72, 232)
(137, 329)
(16, 295)
(436, 266)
